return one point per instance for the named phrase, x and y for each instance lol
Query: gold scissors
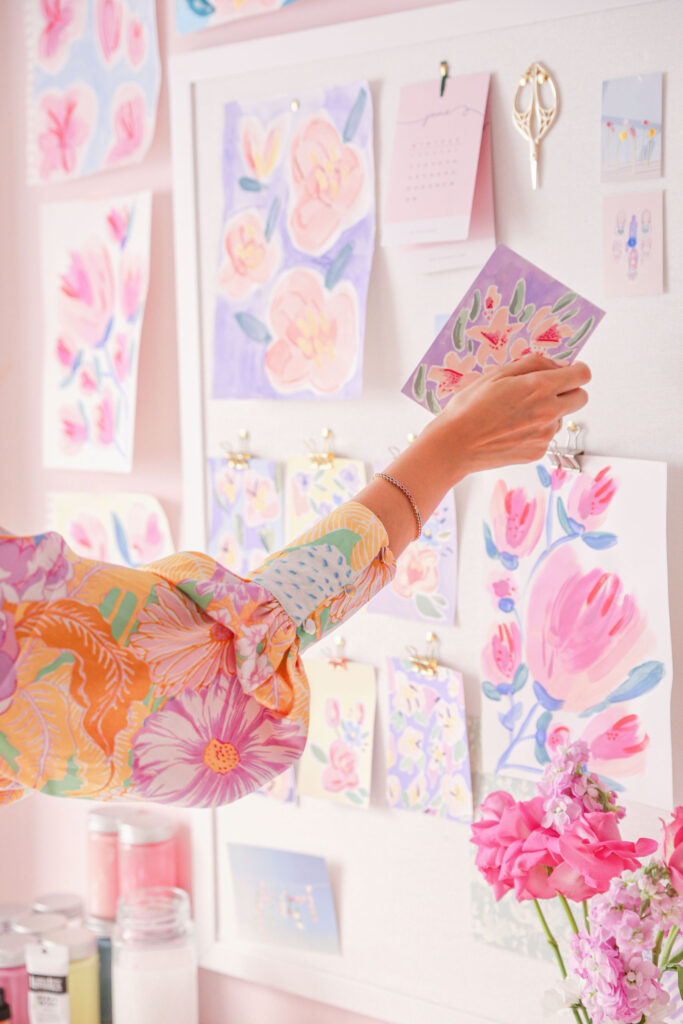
(535, 121)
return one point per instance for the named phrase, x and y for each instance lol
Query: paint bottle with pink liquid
(147, 852)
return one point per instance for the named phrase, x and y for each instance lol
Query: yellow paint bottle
(83, 980)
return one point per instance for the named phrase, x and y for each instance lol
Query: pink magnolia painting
(121, 528)
(95, 271)
(574, 620)
(295, 247)
(94, 76)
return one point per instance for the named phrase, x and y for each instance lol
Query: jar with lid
(154, 966)
(65, 903)
(103, 931)
(13, 976)
(83, 980)
(9, 912)
(103, 861)
(34, 926)
(147, 852)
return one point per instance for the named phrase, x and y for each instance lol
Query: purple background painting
(239, 358)
(512, 307)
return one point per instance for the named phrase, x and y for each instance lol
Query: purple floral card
(512, 308)
(246, 510)
(296, 245)
(337, 761)
(425, 584)
(315, 491)
(429, 761)
(95, 270)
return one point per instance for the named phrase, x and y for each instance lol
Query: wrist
(444, 451)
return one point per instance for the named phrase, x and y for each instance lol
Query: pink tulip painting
(262, 147)
(87, 292)
(129, 126)
(66, 122)
(61, 23)
(517, 519)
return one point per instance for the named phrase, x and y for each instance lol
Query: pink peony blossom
(517, 520)
(342, 771)
(590, 497)
(673, 848)
(416, 571)
(250, 260)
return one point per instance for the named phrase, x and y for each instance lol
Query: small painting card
(282, 788)
(94, 76)
(436, 155)
(95, 271)
(296, 245)
(337, 761)
(633, 244)
(569, 587)
(429, 761)
(631, 128)
(195, 15)
(283, 898)
(315, 491)
(125, 529)
(247, 513)
(425, 584)
(511, 308)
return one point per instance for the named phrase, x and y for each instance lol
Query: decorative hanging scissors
(535, 121)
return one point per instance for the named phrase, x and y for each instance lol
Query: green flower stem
(552, 942)
(567, 909)
(669, 944)
(586, 921)
(656, 949)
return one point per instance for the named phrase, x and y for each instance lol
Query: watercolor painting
(425, 585)
(631, 128)
(283, 898)
(428, 767)
(246, 513)
(95, 272)
(337, 761)
(512, 308)
(314, 491)
(573, 619)
(195, 15)
(121, 528)
(282, 788)
(93, 85)
(296, 246)
(633, 244)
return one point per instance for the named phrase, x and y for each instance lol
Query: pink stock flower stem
(657, 948)
(586, 919)
(552, 942)
(568, 911)
(666, 953)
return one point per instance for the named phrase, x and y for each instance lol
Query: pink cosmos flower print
(328, 185)
(261, 148)
(502, 655)
(590, 497)
(342, 771)
(87, 295)
(129, 124)
(88, 537)
(454, 375)
(583, 631)
(61, 22)
(136, 39)
(417, 571)
(249, 260)
(316, 334)
(73, 429)
(208, 748)
(66, 124)
(262, 500)
(494, 337)
(108, 28)
(516, 519)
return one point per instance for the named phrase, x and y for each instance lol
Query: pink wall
(42, 838)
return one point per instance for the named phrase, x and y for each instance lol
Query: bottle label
(48, 996)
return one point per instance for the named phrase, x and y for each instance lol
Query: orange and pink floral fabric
(176, 683)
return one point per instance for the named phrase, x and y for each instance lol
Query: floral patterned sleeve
(177, 683)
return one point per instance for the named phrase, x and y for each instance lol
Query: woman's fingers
(572, 401)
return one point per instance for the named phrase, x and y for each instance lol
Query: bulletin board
(401, 881)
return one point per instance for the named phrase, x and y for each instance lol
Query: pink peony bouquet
(565, 843)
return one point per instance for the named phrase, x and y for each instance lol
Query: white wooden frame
(187, 70)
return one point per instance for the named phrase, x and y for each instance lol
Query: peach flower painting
(295, 246)
(573, 619)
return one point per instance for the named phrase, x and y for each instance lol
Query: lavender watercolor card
(296, 245)
(631, 128)
(512, 308)
(247, 513)
(429, 762)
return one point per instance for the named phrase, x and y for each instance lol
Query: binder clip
(443, 71)
(394, 449)
(325, 457)
(238, 458)
(425, 664)
(339, 659)
(566, 456)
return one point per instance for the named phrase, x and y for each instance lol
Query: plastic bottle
(83, 979)
(13, 976)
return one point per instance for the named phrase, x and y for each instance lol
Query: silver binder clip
(325, 457)
(567, 456)
(425, 664)
(238, 458)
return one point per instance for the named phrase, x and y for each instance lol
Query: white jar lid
(139, 827)
(80, 942)
(38, 924)
(10, 911)
(13, 949)
(66, 903)
(102, 927)
(105, 819)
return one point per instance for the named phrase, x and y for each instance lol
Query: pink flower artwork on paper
(246, 504)
(296, 246)
(94, 75)
(192, 16)
(577, 646)
(95, 268)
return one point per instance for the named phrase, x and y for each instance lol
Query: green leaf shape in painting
(355, 115)
(490, 691)
(398, 721)
(273, 217)
(354, 797)
(432, 403)
(562, 355)
(406, 765)
(253, 327)
(420, 382)
(459, 751)
(581, 333)
(569, 314)
(517, 300)
(319, 753)
(527, 313)
(337, 267)
(458, 332)
(521, 676)
(251, 185)
(563, 301)
(427, 607)
(476, 305)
